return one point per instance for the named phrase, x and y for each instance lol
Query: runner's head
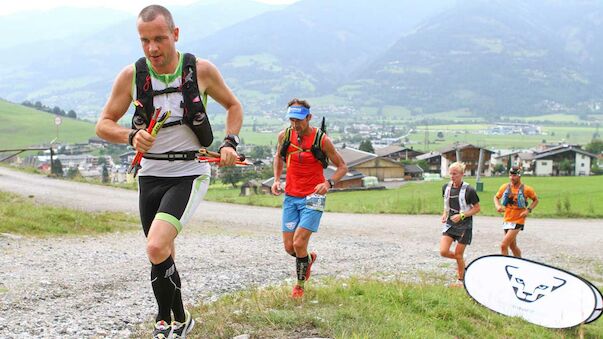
(158, 36)
(456, 170)
(299, 115)
(515, 174)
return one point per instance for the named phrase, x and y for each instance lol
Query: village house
(469, 154)
(397, 152)
(433, 160)
(370, 164)
(550, 162)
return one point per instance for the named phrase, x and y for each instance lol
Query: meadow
(20, 215)
(24, 127)
(560, 197)
(366, 308)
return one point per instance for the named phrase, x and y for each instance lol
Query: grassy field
(23, 127)
(19, 215)
(560, 197)
(363, 308)
(473, 134)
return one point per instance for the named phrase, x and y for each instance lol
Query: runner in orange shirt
(511, 198)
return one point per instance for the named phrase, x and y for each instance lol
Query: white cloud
(132, 6)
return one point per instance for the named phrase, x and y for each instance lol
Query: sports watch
(231, 140)
(331, 182)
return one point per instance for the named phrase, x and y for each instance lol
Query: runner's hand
(322, 189)
(500, 209)
(276, 188)
(455, 218)
(524, 214)
(143, 141)
(228, 156)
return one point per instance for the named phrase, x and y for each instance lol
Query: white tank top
(173, 138)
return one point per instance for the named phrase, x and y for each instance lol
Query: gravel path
(96, 286)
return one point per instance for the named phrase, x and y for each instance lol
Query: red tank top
(304, 172)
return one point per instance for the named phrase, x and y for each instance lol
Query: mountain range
(492, 58)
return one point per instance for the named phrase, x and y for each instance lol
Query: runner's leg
(159, 243)
(301, 239)
(514, 248)
(288, 243)
(459, 252)
(508, 239)
(445, 244)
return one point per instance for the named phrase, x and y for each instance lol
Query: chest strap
(172, 156)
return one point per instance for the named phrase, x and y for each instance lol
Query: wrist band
(462, 215)
(131, 136)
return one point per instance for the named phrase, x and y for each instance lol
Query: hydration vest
(195, 116)
(464, 207)
(316, 148)
(521, 199)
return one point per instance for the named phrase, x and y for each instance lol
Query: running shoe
(180, 330)
(313, 257)
(298, 292)
(162, 330)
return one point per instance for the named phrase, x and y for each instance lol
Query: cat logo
(528, 288)
(539, 293)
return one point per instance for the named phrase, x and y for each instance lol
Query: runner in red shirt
(305, 187)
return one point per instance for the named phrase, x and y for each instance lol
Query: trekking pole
(154, 125)
(205, 155)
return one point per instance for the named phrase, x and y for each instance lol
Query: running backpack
(195, 116)
(316, 148)
(521, 199)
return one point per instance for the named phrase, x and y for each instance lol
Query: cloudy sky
(133, 6)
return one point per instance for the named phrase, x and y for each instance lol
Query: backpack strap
(317, 150)
(286, 143)
(195, 115)
(190, 87)
(318, 138)
(144, 94)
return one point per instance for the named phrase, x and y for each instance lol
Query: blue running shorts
(295, 213)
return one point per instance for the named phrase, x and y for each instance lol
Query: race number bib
(509, 225)
(445, 227)
(316, 202)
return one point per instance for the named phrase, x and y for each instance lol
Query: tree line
(56, 110)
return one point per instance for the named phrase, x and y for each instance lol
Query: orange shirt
(304, 172)
(512, 212)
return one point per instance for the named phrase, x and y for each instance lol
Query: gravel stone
(99, 286)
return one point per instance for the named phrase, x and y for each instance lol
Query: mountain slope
(77, 73)
(311, 46)
(493, 57)
(26, 127)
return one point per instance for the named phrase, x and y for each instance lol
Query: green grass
(21, 216)
(363, 308)
(23, 127)
(473, 134)
(550, 117)
(560, 197)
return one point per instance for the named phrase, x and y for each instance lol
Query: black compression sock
(177, 305)
(163, 288)
(302, 267)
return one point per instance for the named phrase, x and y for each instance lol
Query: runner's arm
(278, 165)
(115, 108)
(337, 160)
(211, 82)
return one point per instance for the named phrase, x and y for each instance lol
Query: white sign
(57, 120)
(541, 294)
